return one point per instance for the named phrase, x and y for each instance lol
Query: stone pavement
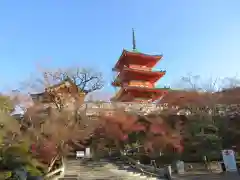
(106, 170)
(103, 170)
(208, 176)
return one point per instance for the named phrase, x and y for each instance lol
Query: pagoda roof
(139, 92)
(136, 74)
(135, 57)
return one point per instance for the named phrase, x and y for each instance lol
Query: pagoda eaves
(128, 74)
(131, 93)
(128, 57)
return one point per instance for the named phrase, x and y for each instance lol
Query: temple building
(64, 93)
(136, 78)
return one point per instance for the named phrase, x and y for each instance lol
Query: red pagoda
(136, 78)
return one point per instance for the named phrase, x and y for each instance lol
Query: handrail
(143, 168)
(145, 172)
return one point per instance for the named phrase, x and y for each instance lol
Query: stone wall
(93, 108)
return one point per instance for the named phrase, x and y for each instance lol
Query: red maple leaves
(44, 151)
(157, 132)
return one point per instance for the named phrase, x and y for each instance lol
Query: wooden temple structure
(136, 78)
(64, 93)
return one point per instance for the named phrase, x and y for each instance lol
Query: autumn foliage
(152, 132)
(55, 136)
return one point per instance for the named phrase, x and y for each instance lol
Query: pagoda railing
(141, 68)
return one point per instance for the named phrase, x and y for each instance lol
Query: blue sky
(198, 36)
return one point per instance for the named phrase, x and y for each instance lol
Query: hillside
(185, 98)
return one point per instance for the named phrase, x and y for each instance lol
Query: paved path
(102, 170)
(105, 170)
(209, 176)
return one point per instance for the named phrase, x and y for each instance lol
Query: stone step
(109, 178)
(71, 176)
(115, 173)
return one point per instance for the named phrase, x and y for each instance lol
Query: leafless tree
(196, 83)
(231, 82)
(87, 80)
(196, 93)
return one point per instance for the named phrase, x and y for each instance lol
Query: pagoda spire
(133, 40)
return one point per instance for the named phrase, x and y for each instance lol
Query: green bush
(5, 174)
(19, 156)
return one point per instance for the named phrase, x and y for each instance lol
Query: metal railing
(147, 170)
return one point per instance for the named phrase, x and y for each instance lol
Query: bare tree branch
(87, 80)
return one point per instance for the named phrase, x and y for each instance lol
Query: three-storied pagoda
(136, 78)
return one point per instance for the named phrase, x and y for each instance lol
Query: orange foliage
(45, 151)
(195, 98)
(186, 98)
(158, 134)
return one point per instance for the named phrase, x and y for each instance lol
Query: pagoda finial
(133, 40)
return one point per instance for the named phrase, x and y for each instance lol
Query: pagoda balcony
(139, 67)
(145, 84)
(140, 84)
(128, 74)
(132, 93)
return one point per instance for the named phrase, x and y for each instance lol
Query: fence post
(168, 172)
